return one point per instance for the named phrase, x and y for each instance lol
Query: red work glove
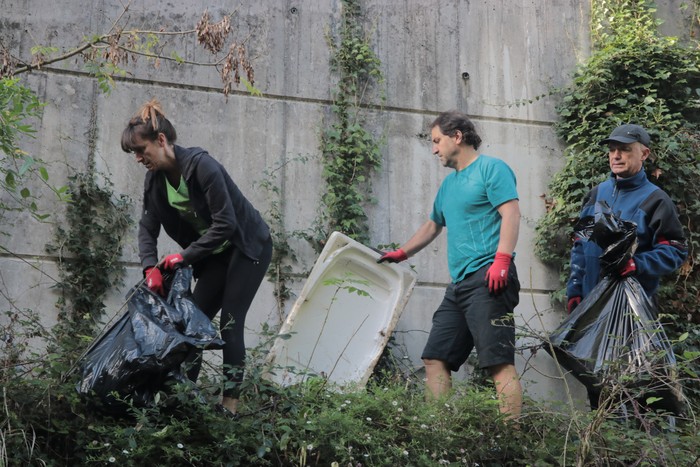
(497, 274)
(394, 256)
(628, 269)
(170, 261)
(573, 303)
(154, 280)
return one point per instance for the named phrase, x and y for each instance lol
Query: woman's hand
(170, 261)
(154, 280)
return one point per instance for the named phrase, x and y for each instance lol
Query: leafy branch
(106, 54)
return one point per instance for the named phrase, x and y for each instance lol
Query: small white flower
(106, 445)
(125, 451)
(369, 419)
(394, 403)
(180, 445)
(399, 409)
(405, 453)
(423, 426)
(347, 402)
(112, 459)
(309, 447)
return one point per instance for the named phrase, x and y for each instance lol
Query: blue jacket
(215, 198)
(662, 246)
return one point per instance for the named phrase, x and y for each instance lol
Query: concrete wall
(512, 50)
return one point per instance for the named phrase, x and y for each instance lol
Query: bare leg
(507, 382)
(439, 379)
(231, 404)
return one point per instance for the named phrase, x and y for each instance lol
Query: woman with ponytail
(222, 236)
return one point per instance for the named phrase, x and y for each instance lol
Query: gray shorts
(470, 317)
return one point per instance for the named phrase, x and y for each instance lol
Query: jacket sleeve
(149, 229)
(211, 179)
(574, 286)
(669, 248)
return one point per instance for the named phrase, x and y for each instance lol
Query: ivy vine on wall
(350, 153)
(89, 250)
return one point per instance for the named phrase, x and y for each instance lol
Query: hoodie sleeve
(211, 180)
(149, 229)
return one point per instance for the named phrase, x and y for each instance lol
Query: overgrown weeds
(387, 423)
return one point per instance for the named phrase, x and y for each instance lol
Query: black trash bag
(614, 332)
(617, 238)
(143, 351)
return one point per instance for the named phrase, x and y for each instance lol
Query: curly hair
(452, 121)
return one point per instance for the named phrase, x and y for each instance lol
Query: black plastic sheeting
(144, 350)
(614, 331)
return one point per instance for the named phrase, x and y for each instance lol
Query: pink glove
(573, 303)
(394, 256)
(628, 269)
(497, 274)
(154, 280)
(171, 261)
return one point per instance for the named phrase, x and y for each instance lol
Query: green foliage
(89, 250)
(388, 423)
(17, 167)
(350, 152)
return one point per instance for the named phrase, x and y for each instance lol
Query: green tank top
(179, 198)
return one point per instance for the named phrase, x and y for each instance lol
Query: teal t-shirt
(179, 198)
(466, 204)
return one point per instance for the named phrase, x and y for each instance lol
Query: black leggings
(228, 282)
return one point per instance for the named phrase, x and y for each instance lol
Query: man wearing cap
(632, 197)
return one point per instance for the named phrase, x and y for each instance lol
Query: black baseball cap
(629, 133)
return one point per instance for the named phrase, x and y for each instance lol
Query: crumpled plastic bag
(614, 332)
(143, 351)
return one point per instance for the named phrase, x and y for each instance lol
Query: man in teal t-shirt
(478, 203)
